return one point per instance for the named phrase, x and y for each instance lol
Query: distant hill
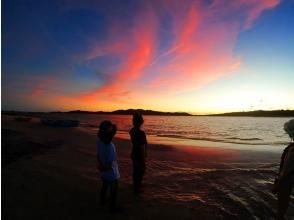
(260, 113)
(132, 111)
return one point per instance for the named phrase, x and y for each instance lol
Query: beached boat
(23, 119)
(60, 123)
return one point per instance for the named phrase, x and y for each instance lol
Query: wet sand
(50, 173)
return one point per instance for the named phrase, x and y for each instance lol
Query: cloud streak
(163, 47)
(135, 49)
(202, 38)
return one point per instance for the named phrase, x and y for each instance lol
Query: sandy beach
(50, 173)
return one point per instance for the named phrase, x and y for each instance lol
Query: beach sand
(50, 173)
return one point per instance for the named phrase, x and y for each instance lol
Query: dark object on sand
(60, 123)
(23, 119)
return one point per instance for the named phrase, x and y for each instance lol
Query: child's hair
(106, 132)
(137, 119)
(289, 128)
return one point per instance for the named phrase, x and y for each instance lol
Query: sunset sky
(207, 56)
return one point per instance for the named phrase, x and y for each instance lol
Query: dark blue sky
(105, 55)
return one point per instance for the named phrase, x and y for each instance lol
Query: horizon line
(172, 112)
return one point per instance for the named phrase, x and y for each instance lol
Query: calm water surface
(235, 130)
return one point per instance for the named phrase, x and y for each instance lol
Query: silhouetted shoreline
(258, 113)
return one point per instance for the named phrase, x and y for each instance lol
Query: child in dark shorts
(139, 153)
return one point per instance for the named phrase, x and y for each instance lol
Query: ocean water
(232, 130)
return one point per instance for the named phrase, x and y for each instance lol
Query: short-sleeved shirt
(138, 139)
(107, 154)
(287, 164)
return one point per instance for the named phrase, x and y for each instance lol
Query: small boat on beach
(23, 119)
(60, 123)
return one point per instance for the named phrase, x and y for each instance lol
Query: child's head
(289, 128)
(137, 119)
(106, 132)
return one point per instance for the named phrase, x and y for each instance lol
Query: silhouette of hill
(131, 111)
(259, 113)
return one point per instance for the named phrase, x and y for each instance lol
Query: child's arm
(288, 165)
(103, 167)
(111, 158)
(282, 160)
(145, 150)
(108, 166)
(145, 145)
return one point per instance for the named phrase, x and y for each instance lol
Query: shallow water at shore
(249, 131)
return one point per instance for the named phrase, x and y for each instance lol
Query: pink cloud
(201, 51)
(137, 47)
(112, 45)
(250, 9)
(257, 9)
(41, 85)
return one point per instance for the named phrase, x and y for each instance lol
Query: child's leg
(103, 192)
(139, 170)
(113, 194)
(284, 193)
(136, 175)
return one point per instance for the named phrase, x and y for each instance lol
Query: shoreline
(189, 142)
(272, 141)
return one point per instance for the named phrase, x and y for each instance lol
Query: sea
(248, 132)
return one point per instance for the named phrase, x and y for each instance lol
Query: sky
(208, 56)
